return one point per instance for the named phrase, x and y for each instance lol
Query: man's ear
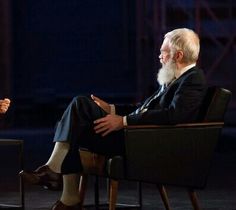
(179, 56)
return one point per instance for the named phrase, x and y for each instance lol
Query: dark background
(53, 50)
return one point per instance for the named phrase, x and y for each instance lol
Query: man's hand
(108, 124)
(104, 105)
(4, 105)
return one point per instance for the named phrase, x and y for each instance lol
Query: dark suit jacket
(179, 103)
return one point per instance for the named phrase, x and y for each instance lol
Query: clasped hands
(109, 123)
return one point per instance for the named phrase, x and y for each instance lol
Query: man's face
(167, 72)
(164, 52)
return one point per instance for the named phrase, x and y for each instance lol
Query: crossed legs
(74, 130)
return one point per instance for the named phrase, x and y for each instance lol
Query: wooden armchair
(178, 155)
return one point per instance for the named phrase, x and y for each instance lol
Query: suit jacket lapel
(163, 93)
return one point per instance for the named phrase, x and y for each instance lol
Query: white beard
(166, 73)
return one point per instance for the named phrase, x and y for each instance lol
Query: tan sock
(58, 155)
(70, 193)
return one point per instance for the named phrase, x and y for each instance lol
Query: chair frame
(114, 181)
(191, 190)
(20, 145)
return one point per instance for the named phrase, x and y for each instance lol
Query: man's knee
(81, 99)
(84, 102)
(87, 107)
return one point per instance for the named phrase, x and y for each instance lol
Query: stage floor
(219, 194)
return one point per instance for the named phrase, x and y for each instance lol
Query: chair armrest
(184, 125)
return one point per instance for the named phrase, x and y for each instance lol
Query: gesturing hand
(104, 105)
(4, 105)
(108, 124)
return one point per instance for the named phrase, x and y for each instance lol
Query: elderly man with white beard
(92, 123)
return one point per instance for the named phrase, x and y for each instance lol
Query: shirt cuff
(113, 109)
(125, 121)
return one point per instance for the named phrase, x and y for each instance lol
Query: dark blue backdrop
(64, 48)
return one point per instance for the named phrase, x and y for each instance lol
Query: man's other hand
(4, 105)
(108, 124)
(104, 105)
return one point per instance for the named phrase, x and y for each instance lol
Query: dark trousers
(77, 128)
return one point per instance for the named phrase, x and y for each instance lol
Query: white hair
(185, 40)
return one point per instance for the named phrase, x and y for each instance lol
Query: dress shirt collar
(186, 68)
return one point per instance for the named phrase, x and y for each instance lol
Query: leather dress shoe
(43, 176)
(61, 206)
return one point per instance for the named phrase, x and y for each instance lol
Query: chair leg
(140, 195)
(194, 199)
(164, 196)
(96, 192)
(113, 194)
(82, 187)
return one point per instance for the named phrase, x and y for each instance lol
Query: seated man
(98, 126)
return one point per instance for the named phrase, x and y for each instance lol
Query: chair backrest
(214, 104)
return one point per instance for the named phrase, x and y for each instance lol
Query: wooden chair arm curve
(184, 125)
